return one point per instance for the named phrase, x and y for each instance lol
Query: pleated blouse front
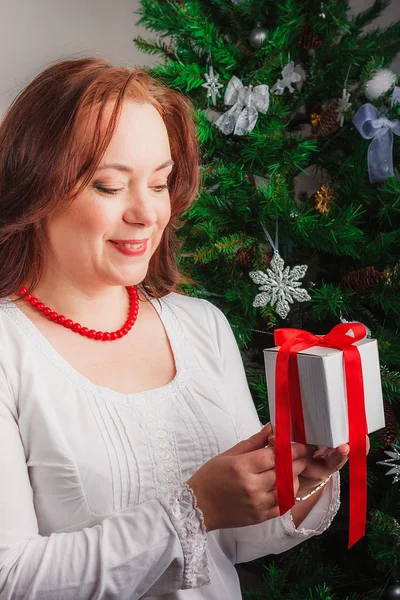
(93, 500)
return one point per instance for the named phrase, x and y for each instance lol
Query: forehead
(140, 133)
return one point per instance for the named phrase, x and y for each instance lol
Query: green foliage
(329, 299)
(390, 384)
(253, 180)
(384, 535)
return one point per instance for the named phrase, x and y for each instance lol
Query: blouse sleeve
(278, 534)
(153, 548)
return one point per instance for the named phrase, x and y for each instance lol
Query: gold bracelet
(321, 485)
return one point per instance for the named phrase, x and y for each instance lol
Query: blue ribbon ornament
(381, 129)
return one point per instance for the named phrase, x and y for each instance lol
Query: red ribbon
(288, 409)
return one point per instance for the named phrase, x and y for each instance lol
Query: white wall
(34, 33)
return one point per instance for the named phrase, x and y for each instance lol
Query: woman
(132, 461)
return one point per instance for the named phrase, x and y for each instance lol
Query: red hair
(43, 159)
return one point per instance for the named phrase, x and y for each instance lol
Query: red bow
(288, 408)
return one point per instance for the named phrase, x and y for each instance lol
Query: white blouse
(93, 500)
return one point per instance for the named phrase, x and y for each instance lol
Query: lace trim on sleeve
(287, 519)
(188, 520)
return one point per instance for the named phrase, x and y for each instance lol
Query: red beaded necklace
(77, 328)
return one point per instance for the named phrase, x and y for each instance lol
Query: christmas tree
(285, 93)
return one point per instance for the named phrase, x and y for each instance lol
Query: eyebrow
(126, 169)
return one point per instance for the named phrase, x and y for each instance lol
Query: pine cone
(322, 198)
(315, 119)
(245, 256)
(328, 123)
(267, 257)
(389, 433)
(363, 280)
(308, 39)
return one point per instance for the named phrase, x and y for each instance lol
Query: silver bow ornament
(381, 129)
(289, 76)
(247, 102)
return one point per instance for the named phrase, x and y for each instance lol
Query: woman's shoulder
(199, 317)
(193, 305)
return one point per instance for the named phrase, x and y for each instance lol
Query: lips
(129, 241)
(139, 251)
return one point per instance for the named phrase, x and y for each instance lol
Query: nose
(141, 208)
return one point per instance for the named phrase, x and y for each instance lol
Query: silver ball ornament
(258, 37)
(381, 82)
(393, 592)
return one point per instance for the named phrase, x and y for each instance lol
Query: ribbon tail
(246, 121)
(283, 450)
(380, 157)
(357, 442)
(227, 121)
(260, 98)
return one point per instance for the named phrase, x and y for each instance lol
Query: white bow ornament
(247, 101)
(289, 76)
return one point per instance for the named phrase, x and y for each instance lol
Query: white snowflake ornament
(390, 462)
(212, 84)
(280, 285)
(289, 76)
(344, 105)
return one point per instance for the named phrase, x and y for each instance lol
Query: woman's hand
(238, 487)
(322, 461)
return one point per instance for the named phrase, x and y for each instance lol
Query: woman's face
(126, 203)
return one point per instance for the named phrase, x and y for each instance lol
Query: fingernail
(271, 440)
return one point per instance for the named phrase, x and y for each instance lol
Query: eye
(107, 190)
(111, 191)
(161, 188)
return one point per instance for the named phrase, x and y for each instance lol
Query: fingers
(263, 459)
(296, 485)
(268, 429)
(298, 450)
(343, 449)
(323, 451)
(320, 451)
(260, 460)
(322, 458)
(269, 476)
(299, 465)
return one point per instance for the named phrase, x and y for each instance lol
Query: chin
(135, 278)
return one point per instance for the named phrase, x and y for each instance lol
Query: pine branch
(329, 299)
(391, 384)
(183, 77)
(370, 14)
(387, 298)
(152, 47)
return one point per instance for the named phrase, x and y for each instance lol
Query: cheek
(91, 222)
(164, 214)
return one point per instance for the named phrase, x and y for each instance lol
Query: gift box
(323, 391)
